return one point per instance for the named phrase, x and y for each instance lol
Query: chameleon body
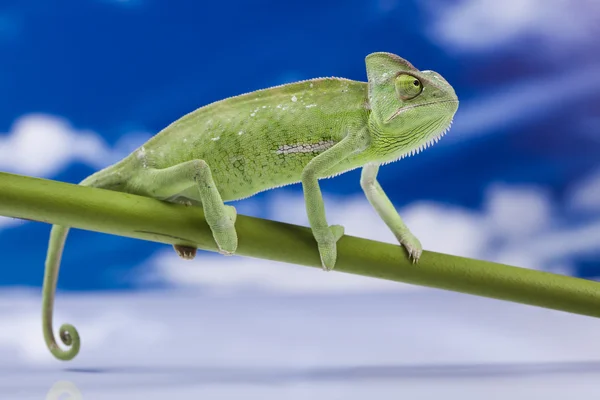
(298, 132)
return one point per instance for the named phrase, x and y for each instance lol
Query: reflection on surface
(64, 390)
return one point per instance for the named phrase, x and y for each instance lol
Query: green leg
(387, 212)
(325, 235)
(168, 182)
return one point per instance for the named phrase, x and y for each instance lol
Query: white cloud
(448, 229)
(554, 247)
(518, 225)
(476, 25)
(42, 145)
(518, 212)
(511, 228)
(530, 233)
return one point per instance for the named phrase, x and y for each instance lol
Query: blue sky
(517, 179)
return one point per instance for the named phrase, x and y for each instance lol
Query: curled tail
(67, 332)
(109, 178)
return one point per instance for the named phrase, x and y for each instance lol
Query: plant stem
(148, 219)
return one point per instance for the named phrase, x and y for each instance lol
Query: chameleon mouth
(413, 106)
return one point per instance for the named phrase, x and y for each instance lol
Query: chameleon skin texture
(259, 140)
(299, 132)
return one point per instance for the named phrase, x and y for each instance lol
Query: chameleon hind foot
(185, 252)
(189, 253)
(224, 232)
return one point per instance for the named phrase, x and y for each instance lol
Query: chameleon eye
(408, 87)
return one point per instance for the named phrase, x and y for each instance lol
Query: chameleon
(297, 132)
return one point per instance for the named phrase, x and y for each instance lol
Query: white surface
(418, 344)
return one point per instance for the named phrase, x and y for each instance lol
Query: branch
(149, 219)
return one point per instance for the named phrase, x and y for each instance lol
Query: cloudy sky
(517, 179)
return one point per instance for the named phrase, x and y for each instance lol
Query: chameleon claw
(413, 247)
(225, 252)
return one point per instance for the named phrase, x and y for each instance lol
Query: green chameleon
(298, 132)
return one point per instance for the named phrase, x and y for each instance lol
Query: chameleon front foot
(412, 245)
(327, 243)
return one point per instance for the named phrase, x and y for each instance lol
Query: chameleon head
(410, 109)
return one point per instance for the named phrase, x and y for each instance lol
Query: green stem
(148, 219)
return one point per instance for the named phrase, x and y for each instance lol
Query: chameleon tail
(107, 178)
(68, 334)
